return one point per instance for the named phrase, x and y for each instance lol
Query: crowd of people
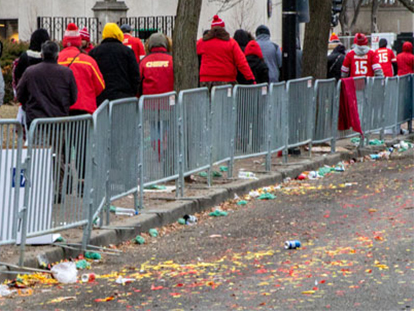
(362, 61)
(121, 66)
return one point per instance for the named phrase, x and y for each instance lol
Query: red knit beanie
(72, 36)
(217, 22)
(360, 39)
(334, 38)
(85, 34)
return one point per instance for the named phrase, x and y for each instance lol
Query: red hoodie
(253, 48)
(405, 60)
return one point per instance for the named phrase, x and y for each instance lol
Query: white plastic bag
(65, 272)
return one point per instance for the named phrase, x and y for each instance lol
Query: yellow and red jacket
(89, 79)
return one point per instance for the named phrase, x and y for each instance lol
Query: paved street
(357, 253)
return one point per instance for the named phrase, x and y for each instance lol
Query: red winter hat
(360, 39)
(253, 48)
(217, 22)
(85, 34)
(334, 38)
(72, 36)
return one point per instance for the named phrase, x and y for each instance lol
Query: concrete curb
(217, 194)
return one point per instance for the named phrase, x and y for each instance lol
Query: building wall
(395, 20)
(255, 13)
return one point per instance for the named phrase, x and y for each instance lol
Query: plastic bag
(65, 272)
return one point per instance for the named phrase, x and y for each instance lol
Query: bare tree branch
(409, 4)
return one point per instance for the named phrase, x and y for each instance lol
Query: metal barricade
(327, 110)
(124, 155)
(159, 139)
(252, 119)
(404, 99)
(360, 91)
(100, 157)
(57, 188)
(222, 125)
(373, 117)
(301, 112)
(278, 125)
(12, 179)
(194, 132)
(391, 104)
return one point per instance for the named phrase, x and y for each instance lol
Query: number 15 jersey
(361, 65)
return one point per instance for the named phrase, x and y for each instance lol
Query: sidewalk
(163, 208)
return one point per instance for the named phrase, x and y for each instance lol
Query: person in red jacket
(361, 61)
(387, 59)
(89, 79)
(87, 46)
(157, 77)
(134, 43)
(156, 69)
(221, 57)
(405, 59)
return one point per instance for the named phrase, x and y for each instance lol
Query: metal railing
(252, 120)
(159, 140)
(301, 109)
(75, 166)
(12, 178)
(326, 114)
(194, 131)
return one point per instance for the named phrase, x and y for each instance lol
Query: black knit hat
(262, 29)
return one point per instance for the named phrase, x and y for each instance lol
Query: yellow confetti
(308, 292)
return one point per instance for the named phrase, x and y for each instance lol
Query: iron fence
(373, 118)
(391, 93)
(56, 26)
(144, 26)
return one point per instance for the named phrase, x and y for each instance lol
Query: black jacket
(259, 69)
(47, 90)
(119, 68)
(335, 60)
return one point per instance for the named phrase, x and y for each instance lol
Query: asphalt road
(356, 230)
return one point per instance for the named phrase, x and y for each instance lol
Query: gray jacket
(1, 88)
(272, 56)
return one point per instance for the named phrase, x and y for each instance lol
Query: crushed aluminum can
(292, 244)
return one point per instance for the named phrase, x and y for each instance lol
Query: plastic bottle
(246, 175)
(120, 211)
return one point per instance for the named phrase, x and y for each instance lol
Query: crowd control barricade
(100, 160)
(11, 177)
(57, 188)
(278, 125)
(194, 132)
(360, 92)
(326, 114)
(404, 100)
(252, 118)
(159, 140)
(391, 94)
(373, 117)
(301, 105)
(223, 118)
(124, 153)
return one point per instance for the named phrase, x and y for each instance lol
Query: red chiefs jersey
(386, 57)
(360, 66)
(135, 44)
